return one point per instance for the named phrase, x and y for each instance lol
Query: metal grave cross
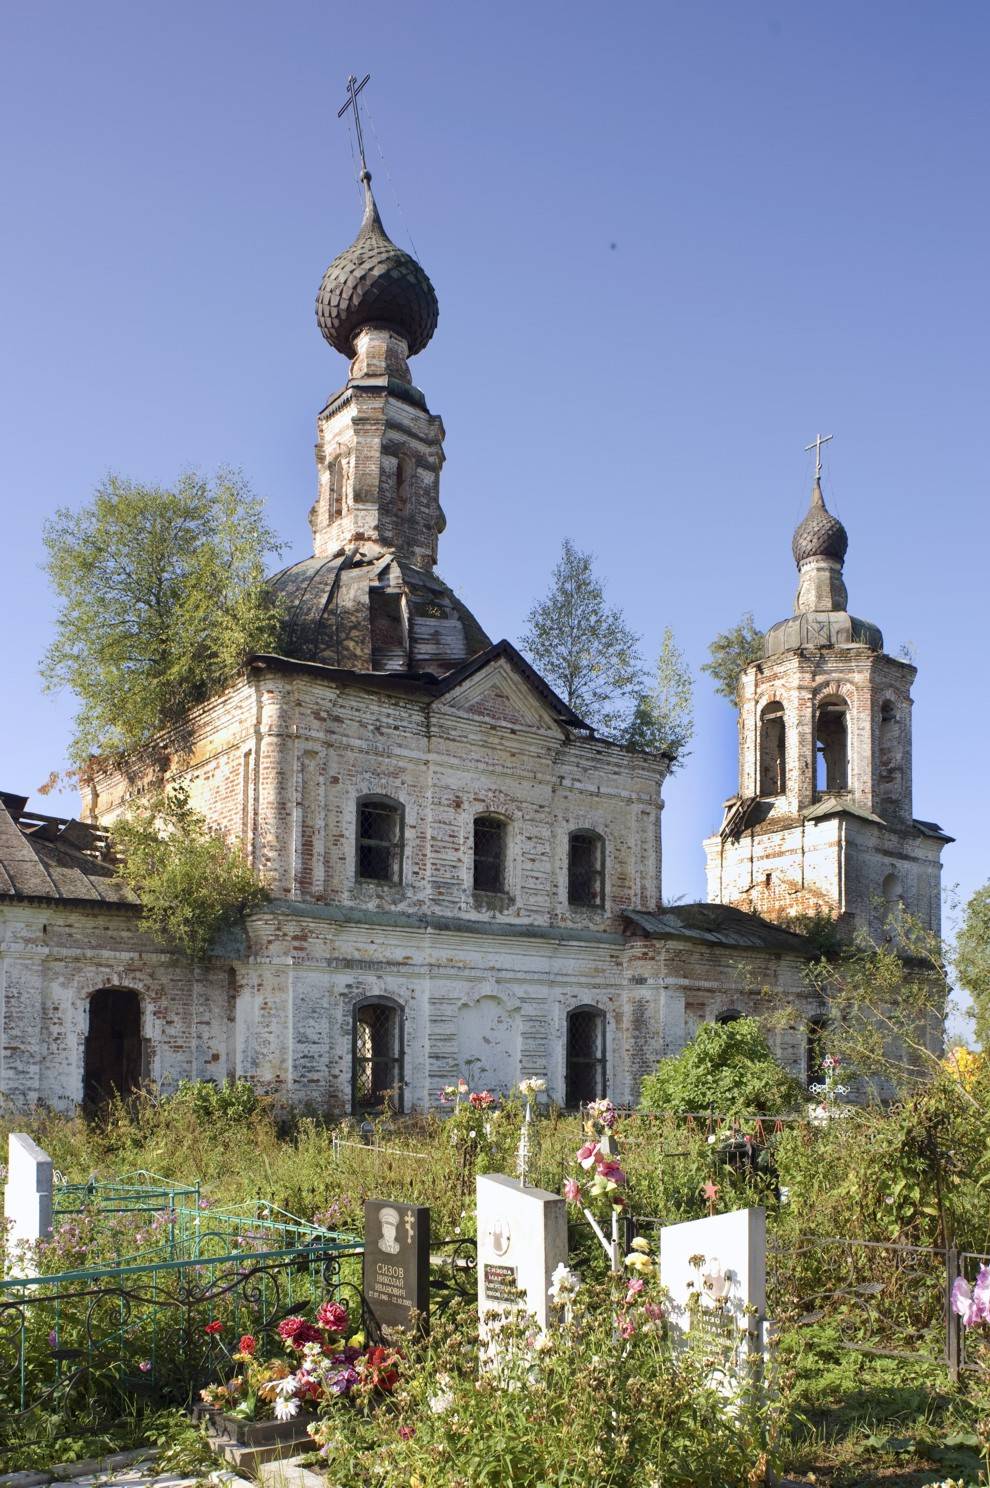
(820, 439)
(353, 89)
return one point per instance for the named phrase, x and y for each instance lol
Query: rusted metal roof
(54, 857)
(717, 924)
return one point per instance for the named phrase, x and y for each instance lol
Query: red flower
(378, 1368)
(248, 1344)
(214, 1328)
(297, 1332)
(333, 1317)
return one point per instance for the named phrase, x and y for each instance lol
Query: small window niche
(490, 853)
(889, 752)
(832, 746)
(773, 751)
(380, 822)
(586, 870)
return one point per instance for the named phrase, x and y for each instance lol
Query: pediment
(499, 696)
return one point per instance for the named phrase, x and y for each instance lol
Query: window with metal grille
(377, 1072)
(585, 1056)
(489, 854)
(586, 869)
(379, 839)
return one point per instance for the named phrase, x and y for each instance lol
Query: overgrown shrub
(727, 1066)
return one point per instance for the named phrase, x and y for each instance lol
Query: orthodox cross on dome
(353, 89)
(820, 439)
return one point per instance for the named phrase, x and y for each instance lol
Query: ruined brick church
(463, 878)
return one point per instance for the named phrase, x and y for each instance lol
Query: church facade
(464, 879)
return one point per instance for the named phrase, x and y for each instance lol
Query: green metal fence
(102, 1335)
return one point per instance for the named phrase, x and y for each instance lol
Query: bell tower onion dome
(374, 283)
(819, 534)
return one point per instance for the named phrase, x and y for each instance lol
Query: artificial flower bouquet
(324, 1362)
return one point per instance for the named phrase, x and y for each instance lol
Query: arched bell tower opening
(112, 1054)
(773, 751)
(832, 746)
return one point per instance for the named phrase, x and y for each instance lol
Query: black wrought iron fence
(874, 1296)
(155, 1330)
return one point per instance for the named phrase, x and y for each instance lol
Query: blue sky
(671, 242)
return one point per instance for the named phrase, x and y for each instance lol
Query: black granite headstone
(396, 1265)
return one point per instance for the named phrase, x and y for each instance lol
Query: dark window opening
(585, 1077)
(586, 869)
(379, 839)
(489, 855)
(377, 1074)
(731, 1015)
(832, 747)
(816, 1049)
(773, 761)
(113, 1054)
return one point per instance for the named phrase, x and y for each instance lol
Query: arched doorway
(112, 1059)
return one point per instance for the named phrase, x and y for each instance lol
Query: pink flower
(586, 1157)
(609, 1170)
(653, 1311)
(333, 1317)
(634, 1287)
(145, 1366)
(972, 1303)
(626, 1327)
(572, 1191)
(407, 1432)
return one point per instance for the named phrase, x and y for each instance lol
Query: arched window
(730, 1015)
(773, 758)
(586, 869)
(832, 745)
(335, 489)
(490, 844)
(377, 1075)
(892, 891)
(112, 1055)
(379, 828)
(585, 1076)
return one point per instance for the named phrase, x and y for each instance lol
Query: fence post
(953, 1330)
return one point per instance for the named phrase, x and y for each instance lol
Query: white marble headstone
(27, 1197)
(522, 1239)
(721, 1261)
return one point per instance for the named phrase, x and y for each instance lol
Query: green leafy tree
(731, 651)
(191, 882)
(583, 646)
(726, 1065)
(973, 959)
(887, 1005)
(663, 719)
(161, 596)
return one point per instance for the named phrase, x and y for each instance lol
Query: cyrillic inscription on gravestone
(396, 1265)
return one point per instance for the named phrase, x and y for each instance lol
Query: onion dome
(820, 535)
(375, 283)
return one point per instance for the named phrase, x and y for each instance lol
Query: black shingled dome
(820, 535)
(375, 283)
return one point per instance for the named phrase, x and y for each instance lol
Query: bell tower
(823, 819)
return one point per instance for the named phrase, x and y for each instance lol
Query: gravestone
(27, 1199)
(522, 1238)
(396, 1266)
(714, 1270)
